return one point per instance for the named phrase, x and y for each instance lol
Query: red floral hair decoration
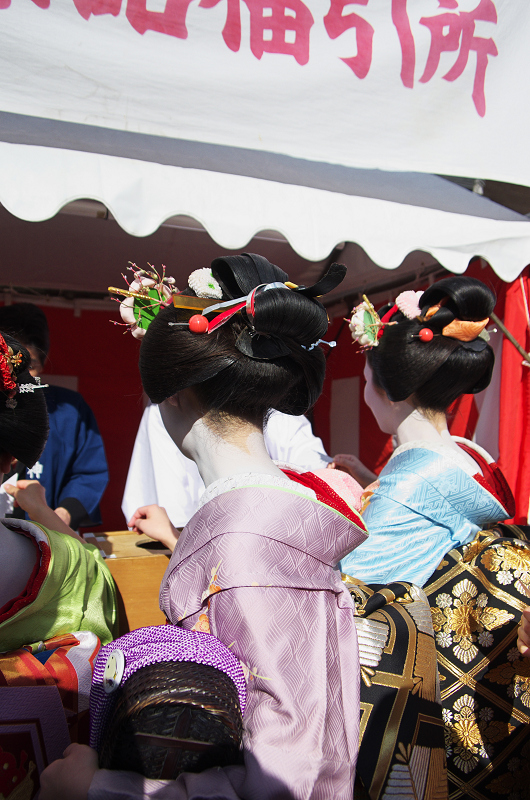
(8, 378)
(8, 361)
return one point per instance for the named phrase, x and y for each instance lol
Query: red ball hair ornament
(198, 324)
(426, 335)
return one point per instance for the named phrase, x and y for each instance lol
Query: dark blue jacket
(73, 468)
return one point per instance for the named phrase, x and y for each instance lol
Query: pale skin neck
(413, 425)
(220, 451)
(239, 449)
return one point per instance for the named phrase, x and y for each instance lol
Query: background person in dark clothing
(73, 467)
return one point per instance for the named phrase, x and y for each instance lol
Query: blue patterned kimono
(425, 505)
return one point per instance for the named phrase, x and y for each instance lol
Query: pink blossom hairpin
(146, 295)
(409, 304)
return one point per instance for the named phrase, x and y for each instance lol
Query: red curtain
(514, 428)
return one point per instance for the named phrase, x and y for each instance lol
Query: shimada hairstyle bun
(27, 323)
(248, 365)
(24, 427)
(438, 371)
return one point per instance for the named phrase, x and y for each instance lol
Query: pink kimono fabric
(254, 567)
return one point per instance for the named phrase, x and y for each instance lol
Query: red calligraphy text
(276, 26)
(39, 3)
(452, 32)
(171, 21)
(406, 41)
(336, 23)
(96, 7)
(232, 28)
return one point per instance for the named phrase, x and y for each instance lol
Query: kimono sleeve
(301, 721)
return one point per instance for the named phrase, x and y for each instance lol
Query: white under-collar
(248, 479)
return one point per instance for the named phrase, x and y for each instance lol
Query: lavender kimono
(254, 567)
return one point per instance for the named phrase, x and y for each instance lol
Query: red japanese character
(336, 23)
(39, 3)
(276, 26)
(232, 28)
(460, 35)
(88, 7)
(406, 40)
(171, 21)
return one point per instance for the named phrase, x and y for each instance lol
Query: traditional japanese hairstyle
(27, 323)
(258, 352)
(434, 346)
(23, 414)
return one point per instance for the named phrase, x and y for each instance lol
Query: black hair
(24, 428)
(27, 323)
(247, 366)
(439, 371)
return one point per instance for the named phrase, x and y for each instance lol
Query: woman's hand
(31, 497)
(354, 466)
(70, 776)
(155, 523)
(523, 639)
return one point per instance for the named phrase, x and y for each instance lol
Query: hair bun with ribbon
(441, 352)
(266, 329)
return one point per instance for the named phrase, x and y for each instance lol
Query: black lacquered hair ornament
(259, 307)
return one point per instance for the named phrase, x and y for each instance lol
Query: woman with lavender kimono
(255, 564)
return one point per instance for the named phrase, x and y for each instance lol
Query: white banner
(423, 85)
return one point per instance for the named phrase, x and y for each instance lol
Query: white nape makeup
(407, 423)
(234, 447)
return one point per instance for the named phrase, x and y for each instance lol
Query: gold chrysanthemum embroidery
(512, 565)
(457, 620)
(464, 732)
(469, 732)
(516, 559)
(463, 617)
(472, 550)
(438, 619)
(465, 727)
(492, 559)
(515, 675)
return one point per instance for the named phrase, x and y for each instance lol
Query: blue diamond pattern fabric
(425, 506)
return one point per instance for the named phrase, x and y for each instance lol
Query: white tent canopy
(162, 111)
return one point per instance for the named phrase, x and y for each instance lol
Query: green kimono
(70, 589)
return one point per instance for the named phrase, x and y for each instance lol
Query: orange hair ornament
(462, 329)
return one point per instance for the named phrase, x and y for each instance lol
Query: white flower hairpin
(365, 324)
(204, 284)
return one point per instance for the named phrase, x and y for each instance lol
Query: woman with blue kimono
(431, 516)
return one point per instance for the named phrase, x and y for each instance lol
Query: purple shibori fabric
(154, 645)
